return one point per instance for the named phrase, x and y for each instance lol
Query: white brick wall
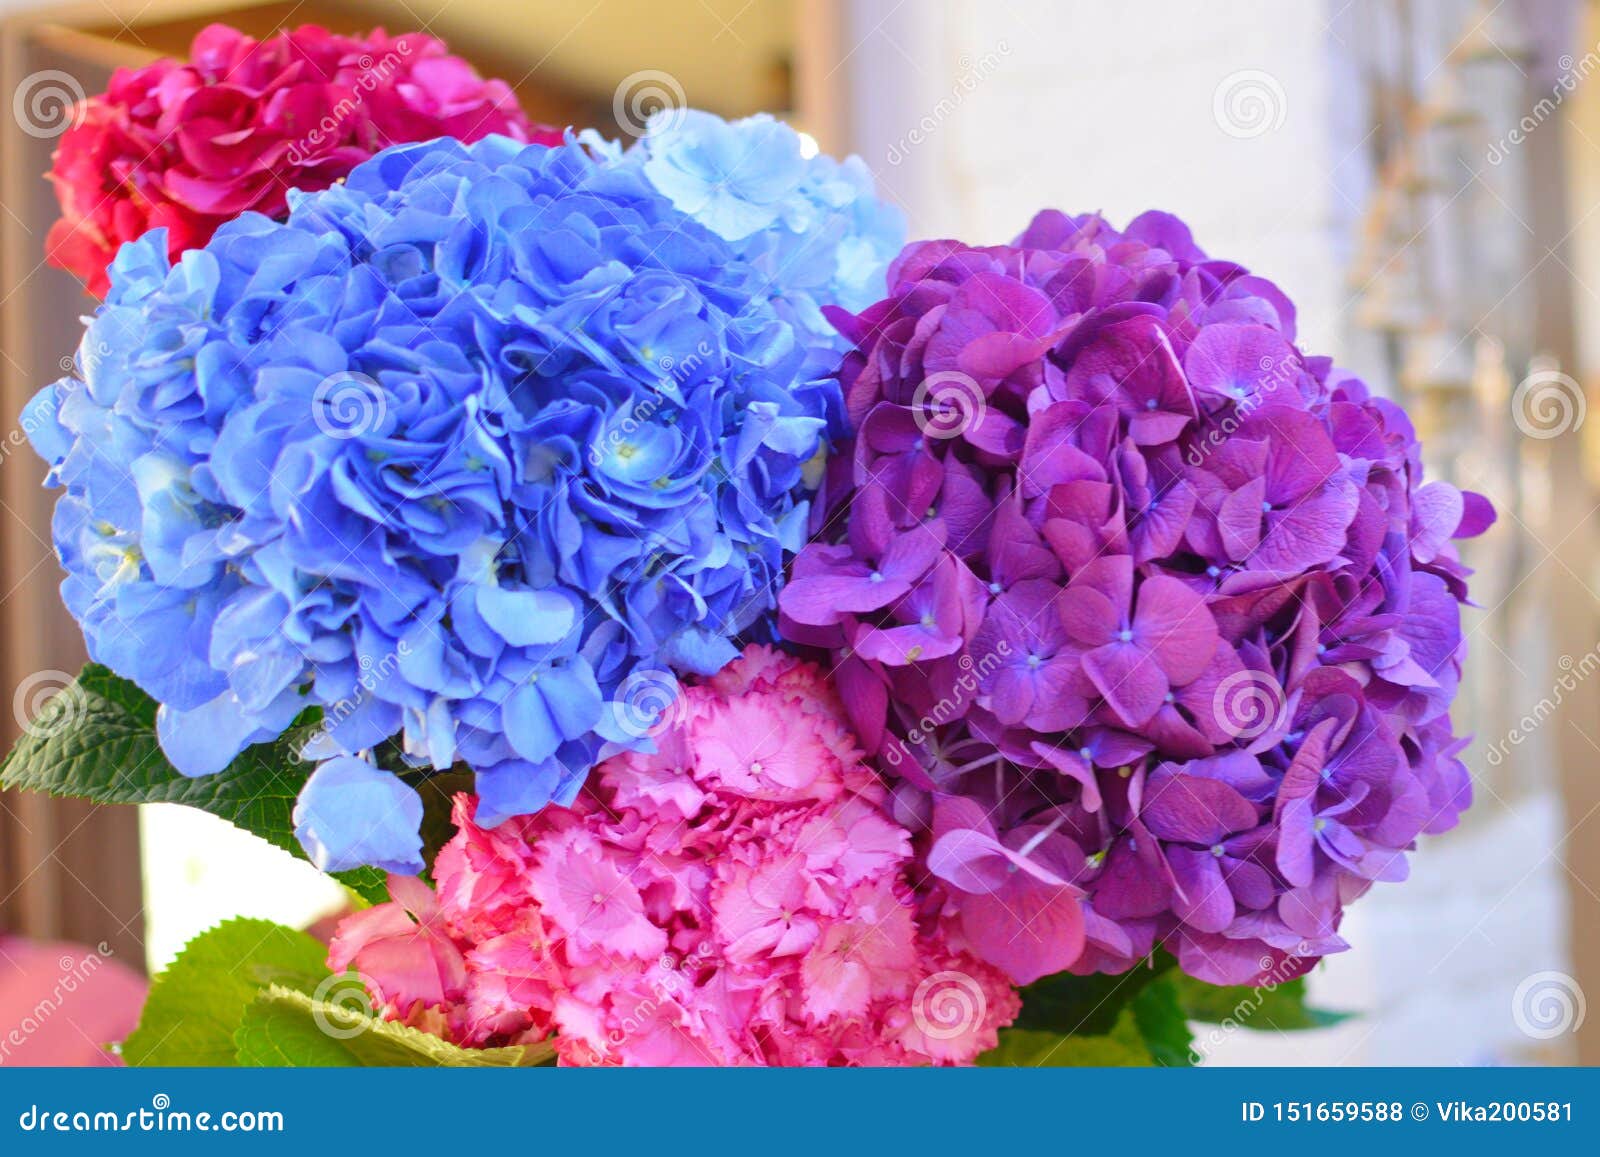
(1109, 107)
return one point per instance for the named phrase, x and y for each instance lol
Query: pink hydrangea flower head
(742, 896)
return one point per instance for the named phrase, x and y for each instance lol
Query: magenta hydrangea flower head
(1150, 614)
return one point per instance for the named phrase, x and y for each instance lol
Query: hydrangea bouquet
(703, 631)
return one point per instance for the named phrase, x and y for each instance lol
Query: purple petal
(1173, 623)
(1296, 858)
(1129, 679)
(1072, 765)
(1309, 533)
(1193, 809)
(1436, 511)
(1240, 362)
(1201, 897)
(1028, 931)
(1135, 881)
(1250, 883)
(1089, 618)
(969, 861)
(1239, 519)
(820, 600)
(1477, 515)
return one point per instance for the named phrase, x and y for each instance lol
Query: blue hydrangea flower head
(466, 453)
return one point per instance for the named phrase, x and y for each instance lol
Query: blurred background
(1421, 176)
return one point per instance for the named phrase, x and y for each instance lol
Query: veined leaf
(98, 742)
(196, 1005)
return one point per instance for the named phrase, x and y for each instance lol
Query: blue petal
(39, 423)
(527, 618)
(573, 698)
(351, 814)
(529, 725)
(517, 788)
(699, 651)
(208, 738)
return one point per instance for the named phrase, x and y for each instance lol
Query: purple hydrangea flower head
(1151, 614)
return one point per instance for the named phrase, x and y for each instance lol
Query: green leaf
(1085, 1005)
(97, 741)
(1280, 1008)
(286, 1028)
(1146, 1012)
(1162, 1024)
(1036, 1048)
(368, 883)
(197, 1004)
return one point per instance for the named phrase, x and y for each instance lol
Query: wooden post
(67, 869)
